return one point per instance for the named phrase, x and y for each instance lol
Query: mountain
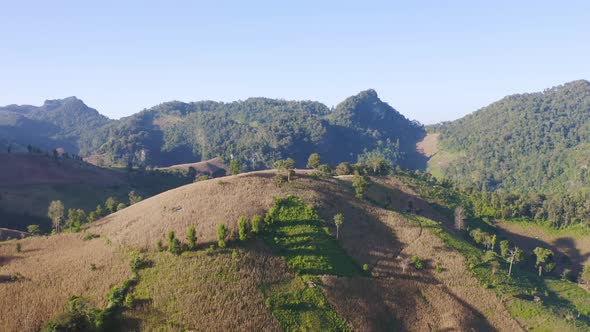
(63, 123)
(398, 262)
(256, 131)
(524, 142)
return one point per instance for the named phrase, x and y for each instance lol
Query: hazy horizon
(432, 62)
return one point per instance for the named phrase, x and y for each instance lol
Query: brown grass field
(54, 268)
(202, 167)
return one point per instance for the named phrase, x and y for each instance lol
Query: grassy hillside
(29, 182)
(278, 279)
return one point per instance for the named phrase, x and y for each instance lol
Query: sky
(431, 60)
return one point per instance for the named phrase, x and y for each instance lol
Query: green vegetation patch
(300, 305)
(297, 233)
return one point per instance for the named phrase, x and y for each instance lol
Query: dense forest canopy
(526, 142)
(256, 131)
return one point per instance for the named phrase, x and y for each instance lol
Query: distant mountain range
(524, 142)
(256, 131)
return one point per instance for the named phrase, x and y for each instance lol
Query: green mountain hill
(525, 142)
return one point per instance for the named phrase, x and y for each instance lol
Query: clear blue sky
(431, 60)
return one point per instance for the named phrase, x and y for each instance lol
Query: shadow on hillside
(567, 256)
(390, 292)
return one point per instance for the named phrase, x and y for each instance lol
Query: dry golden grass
(429, 145)
(206, 166)
(51, 270)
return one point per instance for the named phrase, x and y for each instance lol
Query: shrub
(90, 236)
(92, 267)
(159, 246)
(242, 224)
(343, 169)
(34, 229)
(418, 264)
(256, 224)
(18, 247)
(191, 237)
(221, 234)
(174, 245)
(360, 184)
(366, 267)
(129, 300)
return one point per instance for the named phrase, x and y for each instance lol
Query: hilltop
(380, 231)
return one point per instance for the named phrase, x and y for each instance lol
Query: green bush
(221, 234)
(256, 220)
(242, 228)
(418, 264)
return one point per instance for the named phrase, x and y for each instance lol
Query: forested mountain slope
(524, 142)
(63, 123)
(256, 131)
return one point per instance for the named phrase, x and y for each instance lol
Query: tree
(287, 165)
(460, 218)
(543, 258)
(192, 173)
(493, 240)
(134, 198)
(359, 184)
(313, 161)
(377, 163)
(111, 204)
(325, 170)
(234, 167)
(121, 206)
(256, 220)
(75, 218)
(515, 255)
(242, 231)
(34, 229)
(99, 212)
(191, 237)
(343, 169)
(221, 234)
(504, 248)
(55, 212)
(338, 221)
(174, 245)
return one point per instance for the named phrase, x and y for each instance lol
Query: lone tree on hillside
(360, 184)
(314, 161)
(514, 256)
(543, 258)
(256, 224)
(338, 221)
(343, 169)
(287, 165)
(242, 231)
(234, 167)
(460, 218)
(174, 245)
(191, 237)
(34, 229)
(221, 234)
(192, 173)
(55, 212)
(134, 198)
(111, 204)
